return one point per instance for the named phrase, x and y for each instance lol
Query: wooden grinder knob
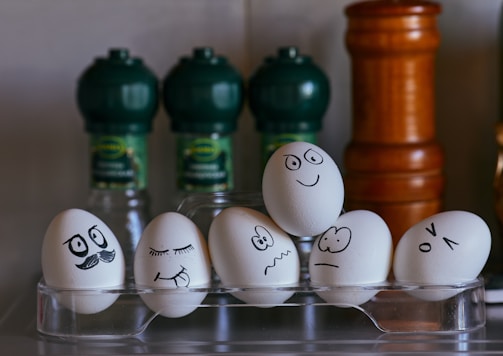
(393, 162)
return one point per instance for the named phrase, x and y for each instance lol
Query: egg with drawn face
(249, 250)
(354, 253)
(302, 189)
(444, 249)
(80, 252)
(171, 258)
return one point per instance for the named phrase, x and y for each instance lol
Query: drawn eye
(263, 239)
(183, 250)
(292, 162)
(154, 252)
(97, 237)
(77, 245)
(335, 239)
(313, 157)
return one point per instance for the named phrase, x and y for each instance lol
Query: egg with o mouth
(81, 253)
(302, 189)
(442, 250)
(172, 258)
(353, 254)
(249, 250)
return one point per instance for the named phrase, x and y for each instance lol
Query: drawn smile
(310, 185)
(283, 254)
(326, 264)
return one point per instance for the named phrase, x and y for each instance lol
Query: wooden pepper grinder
(393, 162)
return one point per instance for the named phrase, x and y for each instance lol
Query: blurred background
(46, 44)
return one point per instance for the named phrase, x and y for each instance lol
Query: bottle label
(118, 162)
(205, 164)
(271, 142)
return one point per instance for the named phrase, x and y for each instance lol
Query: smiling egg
(81, 253)
(355, 252)
(172, 258)
(302, 189)
(249, 250)
(447, 248)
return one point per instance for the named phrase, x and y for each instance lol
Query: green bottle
(118, 98)
(203, 95)
(288, 96)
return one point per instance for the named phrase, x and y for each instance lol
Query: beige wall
(45, 45)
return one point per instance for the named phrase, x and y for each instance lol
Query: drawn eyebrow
(185, 249)
(154, 252)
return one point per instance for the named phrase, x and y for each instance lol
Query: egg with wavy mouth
(249, 250)
(302, 189)
(81, 253)
(172, 258)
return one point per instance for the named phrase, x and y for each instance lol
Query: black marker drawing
(313, 157)
(154, 252)
(432, 230)
(183, 250)
(293, 163)
(335, 239)
(176, 251)
(180, 279)
(79, 247)
(283, 254)
(450, 242)
(91, 261)
(263, 238)
(426, 246)
(326, 264)
(312, 184)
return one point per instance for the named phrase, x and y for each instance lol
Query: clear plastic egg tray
(395, 307)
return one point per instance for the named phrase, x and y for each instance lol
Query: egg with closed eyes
(352, 255)
(172, 258)
(302, 189)
(82, 254)
(250, 251)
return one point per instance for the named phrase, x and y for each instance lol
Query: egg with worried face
(81, 253)
(171, 258)
(302, 189)
(356, 252)
(444, 249)
(249, 250)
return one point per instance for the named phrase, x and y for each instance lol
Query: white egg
(172, 257)
(448, 248)
(356, 251)
(80, 252)
(302, 189)
(249, 250)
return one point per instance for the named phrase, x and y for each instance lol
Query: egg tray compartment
(394, 308)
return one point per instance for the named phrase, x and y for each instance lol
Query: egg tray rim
(395, 299)
(130, 287)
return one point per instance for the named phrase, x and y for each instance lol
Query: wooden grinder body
(393, 162)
